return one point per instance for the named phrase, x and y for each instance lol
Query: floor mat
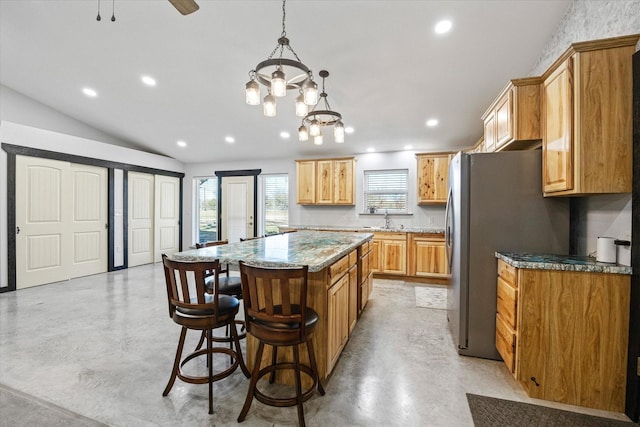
(431, 297)
(492, 412)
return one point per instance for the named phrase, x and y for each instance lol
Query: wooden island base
(338, 293)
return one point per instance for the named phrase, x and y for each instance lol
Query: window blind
(386, 190)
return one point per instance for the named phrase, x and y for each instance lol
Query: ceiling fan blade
(185, 7)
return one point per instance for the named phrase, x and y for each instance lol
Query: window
(386, 190)
(206, 209)
(276, 202)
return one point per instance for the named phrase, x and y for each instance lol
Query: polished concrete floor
(101, 348)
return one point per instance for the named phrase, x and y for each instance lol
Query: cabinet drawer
(364, 248)
(507, 302)
(338, 268)
(353, 258)
(506, 343)
(508, 273)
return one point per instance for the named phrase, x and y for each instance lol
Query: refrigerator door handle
(448, 232)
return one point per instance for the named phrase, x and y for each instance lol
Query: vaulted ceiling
(389, 71)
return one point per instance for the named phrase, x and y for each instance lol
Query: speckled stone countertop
(561, 262)
(431, 230)
(317, 249)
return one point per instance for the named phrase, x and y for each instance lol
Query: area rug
(492, 412)
(431, 297)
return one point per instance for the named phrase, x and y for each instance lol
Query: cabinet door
(394, 256)
(557, 138)
(504, 122)
(374, 256)
(490, 133)
(306, 182)
(343, 186)
(338, 319)
(326, 180)
(353, 297)
(433, 179)
(430, 257)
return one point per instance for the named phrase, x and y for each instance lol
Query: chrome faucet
(387, 220)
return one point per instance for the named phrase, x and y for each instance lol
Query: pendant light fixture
(279, 75)
(316, 119)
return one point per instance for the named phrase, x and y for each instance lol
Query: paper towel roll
(606, 250)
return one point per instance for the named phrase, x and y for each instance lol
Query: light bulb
(310, 90)
(278, 83)
(317, 140)
(301, 108)
(269, 106)
(303, 133)
(338, 132)
(252, 92)
(314, 128)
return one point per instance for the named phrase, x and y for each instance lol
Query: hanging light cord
(283, 40)
(113, 11)
(98, 17)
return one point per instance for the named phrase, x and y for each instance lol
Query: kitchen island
(339, 283)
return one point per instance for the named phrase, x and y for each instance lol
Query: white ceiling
(389, 71)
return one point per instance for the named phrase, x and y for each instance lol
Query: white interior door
(237, 207)
(88, 220)
(43, 221)
(167, 216)
(140, 217)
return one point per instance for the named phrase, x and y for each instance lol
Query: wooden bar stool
(276, 313)
(191, 307)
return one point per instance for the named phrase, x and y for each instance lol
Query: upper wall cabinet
(433, 178)
(325, 181)
(512, 122)
(587, 119)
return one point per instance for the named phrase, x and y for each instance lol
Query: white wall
(591, 20)
(27, 136)
(421, 216)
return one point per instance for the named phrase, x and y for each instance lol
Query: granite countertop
(561, 262)
(317, 249)
(431, 230)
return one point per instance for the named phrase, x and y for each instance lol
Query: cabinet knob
(535, 382)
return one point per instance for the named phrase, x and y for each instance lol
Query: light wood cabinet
(564, 334)
(389, 254)
(427, 255)
(342, 304)
(306, 181)
(365, 275)
(433, 178)
(325, 181)
(587, 119)
(338, 319)
(512, 121)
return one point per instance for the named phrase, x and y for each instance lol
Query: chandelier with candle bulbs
(280, 74)
(320, 117)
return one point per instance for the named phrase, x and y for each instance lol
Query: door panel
(237, 207)
(42, 217)
(167, 216)
(140, 218)
(89, 220)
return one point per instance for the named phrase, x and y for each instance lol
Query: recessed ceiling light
(370, 150)
(89, 92)
(148, 80)
(349, 129)
(285, 135)
(408, 147)
(432, 122)
(229, 139)
(181, 143)
(443, 26)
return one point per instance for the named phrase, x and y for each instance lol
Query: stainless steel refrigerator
(495, 203)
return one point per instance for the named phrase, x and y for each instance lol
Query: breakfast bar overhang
(339, 282)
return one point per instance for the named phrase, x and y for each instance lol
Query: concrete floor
(102, 347)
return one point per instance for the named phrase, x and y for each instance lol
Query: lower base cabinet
(567, 338)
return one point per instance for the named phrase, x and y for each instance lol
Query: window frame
(196, 206)
(404, 193)
(263, 204)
